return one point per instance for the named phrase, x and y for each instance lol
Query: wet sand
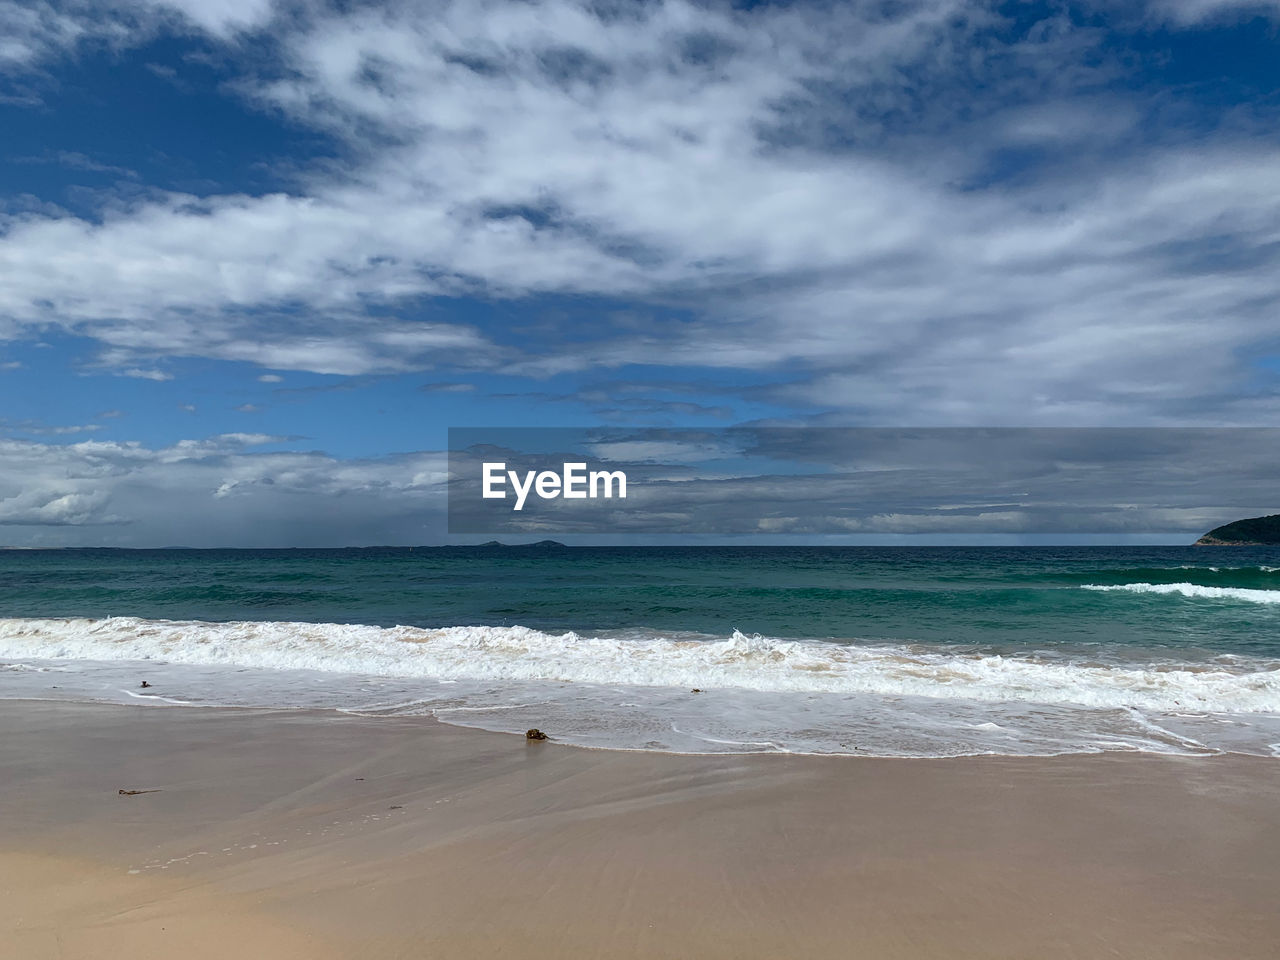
(282, 835)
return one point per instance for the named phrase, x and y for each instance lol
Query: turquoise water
(992, 598)
(895, 651)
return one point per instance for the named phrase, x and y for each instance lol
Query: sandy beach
(294, 834)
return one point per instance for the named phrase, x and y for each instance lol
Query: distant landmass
(1256, 531)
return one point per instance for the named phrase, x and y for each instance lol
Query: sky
(941, 485)
(256, 258)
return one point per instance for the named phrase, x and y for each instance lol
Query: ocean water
(879, 651)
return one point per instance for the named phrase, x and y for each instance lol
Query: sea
(864, 651)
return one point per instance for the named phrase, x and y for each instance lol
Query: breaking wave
(1191, 590)
(518, 654)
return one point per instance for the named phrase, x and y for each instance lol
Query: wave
(1191, 590)
(1260, 576)
(740, 662)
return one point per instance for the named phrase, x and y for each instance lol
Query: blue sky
(258, 257)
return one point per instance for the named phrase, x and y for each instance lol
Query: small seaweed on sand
(533, 733)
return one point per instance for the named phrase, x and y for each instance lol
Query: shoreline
(709, 695)
(337, 713)
(311, 834)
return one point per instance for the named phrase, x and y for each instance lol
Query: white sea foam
(1192, 590)
(739, 662)
(1263, 568)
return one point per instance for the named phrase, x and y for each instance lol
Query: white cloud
(800, 179)
(39, 428)
(140, 374)
(231, 490)
(35, 32)
(247, 439)
(1190, 12)
(33, 508)
(32, 31)
(219, 17)
(213, 492)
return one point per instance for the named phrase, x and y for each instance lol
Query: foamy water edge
(635, 692)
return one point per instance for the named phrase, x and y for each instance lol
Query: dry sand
(282, 835)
